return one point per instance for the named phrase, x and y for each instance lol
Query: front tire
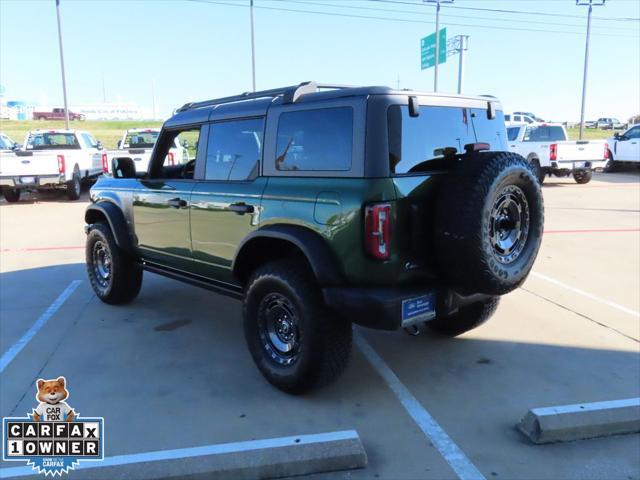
(11, 195)
(74, 187)
(296, 342)
(582, 176)
(114, 276)
(467, 318)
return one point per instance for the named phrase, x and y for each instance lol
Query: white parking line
(452, 454)
(15, 349)
(591, 296)
(204, 450)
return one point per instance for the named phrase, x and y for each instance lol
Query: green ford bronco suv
(321, 206)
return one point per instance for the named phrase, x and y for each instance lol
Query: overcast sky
(201, 49)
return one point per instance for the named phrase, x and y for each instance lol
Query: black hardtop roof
(257, 103)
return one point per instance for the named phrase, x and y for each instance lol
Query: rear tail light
(553, 151)
(606, 151)
(105, 165)
(377, 231)
(170, 159)
(61, 166)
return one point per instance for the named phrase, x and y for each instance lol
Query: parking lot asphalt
(171, 370)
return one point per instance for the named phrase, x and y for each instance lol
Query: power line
(502, 10)
(446, 15)
(404, 20)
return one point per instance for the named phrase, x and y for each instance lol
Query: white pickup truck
(138, 143)
(547, 147)
(624, 148)
(51, 160)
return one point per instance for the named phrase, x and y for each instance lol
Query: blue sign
(418, 309)
(428, 49)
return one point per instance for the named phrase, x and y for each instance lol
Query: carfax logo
(53, 439)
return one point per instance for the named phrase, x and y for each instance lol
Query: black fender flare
(321, 258)
(116, 221)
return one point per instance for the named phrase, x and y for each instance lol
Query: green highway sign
(428, 49)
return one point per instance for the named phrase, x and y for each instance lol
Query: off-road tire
(74, 187)
(324, 345)
(125, 275)
(464, 249)
(11, 195)
(582, 176)
(466, 318)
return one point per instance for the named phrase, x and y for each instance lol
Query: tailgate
(582, 150)
(28, 164)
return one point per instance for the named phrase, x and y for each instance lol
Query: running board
(202, 282)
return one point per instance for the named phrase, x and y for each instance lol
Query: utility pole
(253, 48)
(463, 45)
(435, 72)
(104, 90)
(64, 82)
(590, 4)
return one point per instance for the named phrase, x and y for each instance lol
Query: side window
(315, 140)
(517, 118)
(414, 142)
(234, 149)
(633, 133)
(512, 133)
(89, 141)
(176, 164)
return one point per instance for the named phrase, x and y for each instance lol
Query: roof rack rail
(290, 95)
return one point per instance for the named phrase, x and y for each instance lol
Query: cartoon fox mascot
(52, 407)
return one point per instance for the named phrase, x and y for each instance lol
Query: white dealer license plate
(27, 179)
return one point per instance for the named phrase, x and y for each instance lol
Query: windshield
(52, 141)
(145, 139)
(5, 143)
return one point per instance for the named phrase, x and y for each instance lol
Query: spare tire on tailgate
(489, 222)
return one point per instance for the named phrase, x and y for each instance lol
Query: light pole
(64, 82)
(590, 4)
(253, 49)
(435, 72)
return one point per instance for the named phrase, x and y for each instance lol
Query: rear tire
(11, 195)
(611, 165)
(488, 223)
(582, 176)
(74, 187)
(114, 276)
(296, 342)
(540, 173)
(467, 318)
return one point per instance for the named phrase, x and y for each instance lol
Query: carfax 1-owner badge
(53, 439)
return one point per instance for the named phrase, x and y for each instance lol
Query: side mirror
(185, 144)
(617, 136)
(119, 144)
(123, 167)
(99, 145)
(15, 147)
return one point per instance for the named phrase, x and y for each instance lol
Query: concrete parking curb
(583, 420)
(257, 459)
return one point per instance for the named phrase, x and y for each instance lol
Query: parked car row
(605, 123)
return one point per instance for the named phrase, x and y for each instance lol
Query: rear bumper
(577, 165)
(37, 181)
(382, 307)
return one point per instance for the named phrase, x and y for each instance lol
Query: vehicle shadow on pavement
(178, 354)
(631, 177)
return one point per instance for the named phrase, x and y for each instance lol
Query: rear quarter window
(512, 133)
(315, 140)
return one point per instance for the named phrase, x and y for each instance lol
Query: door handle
(241, 208)
(177, 203)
